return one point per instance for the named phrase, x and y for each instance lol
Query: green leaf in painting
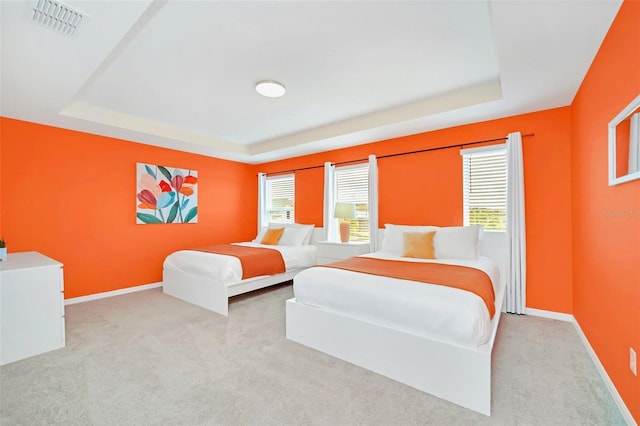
(150, 171)
(192, 213)
(165, 172)
(173, 213)
(148, 218)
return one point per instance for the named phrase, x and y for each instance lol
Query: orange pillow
(419, 245)
(272, 236)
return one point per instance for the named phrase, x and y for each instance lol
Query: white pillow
(261, 234)
(458, 242)
(308, 228)
(394, 236)
(293, 236)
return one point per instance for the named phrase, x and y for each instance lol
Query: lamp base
(345, 230)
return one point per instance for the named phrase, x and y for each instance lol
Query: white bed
(447, 355)
(209, 280)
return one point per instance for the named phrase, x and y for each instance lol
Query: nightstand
(329, 251)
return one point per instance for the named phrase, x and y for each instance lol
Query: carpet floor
(146, 358)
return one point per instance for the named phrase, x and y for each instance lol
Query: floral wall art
(166, 195)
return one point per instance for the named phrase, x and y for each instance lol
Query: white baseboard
(550, 314)
(626, 414)
(111, 293)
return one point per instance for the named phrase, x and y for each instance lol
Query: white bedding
(227, 269)
(433, 311)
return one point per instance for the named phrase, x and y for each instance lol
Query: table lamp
(345, 211)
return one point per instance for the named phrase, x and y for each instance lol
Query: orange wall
(606, 220)
(426, 188)
(71, 196)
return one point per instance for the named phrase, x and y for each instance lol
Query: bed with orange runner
(427, 323)
(209, 276)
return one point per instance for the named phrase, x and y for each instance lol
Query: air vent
(57, 16)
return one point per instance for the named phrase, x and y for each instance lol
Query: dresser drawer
(31, 306)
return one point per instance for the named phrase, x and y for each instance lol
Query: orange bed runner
(255, 261)
(462, 277)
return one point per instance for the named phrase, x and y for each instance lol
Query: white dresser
(31, 306)
(329, 251)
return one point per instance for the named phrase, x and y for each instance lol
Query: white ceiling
(181, 74)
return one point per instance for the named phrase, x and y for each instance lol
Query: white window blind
(485, 187)
(280, 199)
(352, 186)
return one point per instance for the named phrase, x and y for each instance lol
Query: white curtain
(516, 239)
(634, 144)
(262, 193)
(330, 229)
(373, 203)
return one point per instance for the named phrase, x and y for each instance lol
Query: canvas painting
(166, 195)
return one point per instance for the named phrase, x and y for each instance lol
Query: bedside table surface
(330, 251)
(350, 243)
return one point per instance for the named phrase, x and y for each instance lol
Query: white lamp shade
(345, 211)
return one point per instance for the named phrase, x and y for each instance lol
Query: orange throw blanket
(462, 277)
(255, 261)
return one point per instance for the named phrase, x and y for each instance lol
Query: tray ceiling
(182, 74)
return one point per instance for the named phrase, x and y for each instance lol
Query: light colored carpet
(147, 358)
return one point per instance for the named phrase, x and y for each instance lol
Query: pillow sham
(458, 242)
(309, 229)
(419, 245)
(393, 241)
(293, 236)
(272, 236)
(261, 233)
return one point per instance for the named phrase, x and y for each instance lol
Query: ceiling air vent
(57, 16)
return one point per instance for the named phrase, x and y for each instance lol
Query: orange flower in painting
(146, 206)
(187, 186)
(186, 190)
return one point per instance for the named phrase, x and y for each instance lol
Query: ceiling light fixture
(270, 88)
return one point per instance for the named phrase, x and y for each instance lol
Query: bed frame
(211, 294)
(456, 373)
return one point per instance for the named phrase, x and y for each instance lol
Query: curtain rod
(361, 160)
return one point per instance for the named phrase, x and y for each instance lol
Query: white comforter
(227, 269)
(433, 311)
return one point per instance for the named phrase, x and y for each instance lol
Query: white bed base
(211, 294)
(456, 373)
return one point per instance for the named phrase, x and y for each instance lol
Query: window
(280, 199)
(485, 187)
(352, 186)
